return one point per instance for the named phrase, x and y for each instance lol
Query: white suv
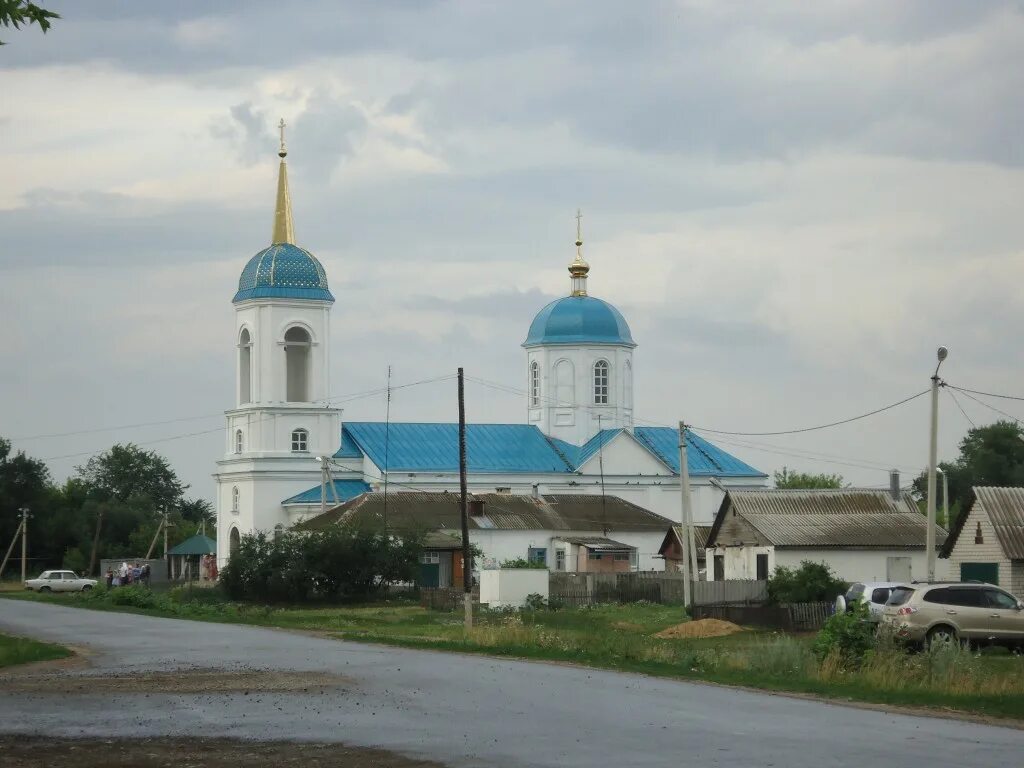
(874, 594)
(59, 581)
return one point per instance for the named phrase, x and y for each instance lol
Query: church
(288, 454)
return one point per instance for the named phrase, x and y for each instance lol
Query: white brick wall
(966, 551)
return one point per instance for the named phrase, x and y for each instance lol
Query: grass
(21, 650)
(622, 637)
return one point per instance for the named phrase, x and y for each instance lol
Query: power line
(955, 400)
(986, 394)
(987, 405)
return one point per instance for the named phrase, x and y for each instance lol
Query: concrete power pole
(684, 493)
(24, 541)
(933, 443)
(467, 561)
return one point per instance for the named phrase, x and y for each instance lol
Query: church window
(278, 531)
(565, 387)
(296, 351)
(238, 441)
(300, 441)
(244, 367)
(234, 499)
(601, 382)
(534, 384)
(233, 541)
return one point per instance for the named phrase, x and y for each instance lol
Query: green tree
(126, 472)
(16, 13)
(24, 482)
(788, 479)
(989, 455)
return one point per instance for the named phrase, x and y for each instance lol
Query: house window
(559, 559)
(762, 567)
(634, 560)
(601, 382)
(622, 556)
(300, 441)
(430, 558)
(296, 352)
(979, 537)
(244, 367)
(592, 555)
(238, 441)
(537, 555)
(534, 384)
(234, 499)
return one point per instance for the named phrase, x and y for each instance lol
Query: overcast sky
(792, 203)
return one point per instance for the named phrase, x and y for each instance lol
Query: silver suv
(874, 594)
(945, 612)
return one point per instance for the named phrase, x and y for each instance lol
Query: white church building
(579, 437)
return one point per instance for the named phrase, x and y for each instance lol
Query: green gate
(986, 572)
(430, 575)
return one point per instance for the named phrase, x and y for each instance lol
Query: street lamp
(933, 448)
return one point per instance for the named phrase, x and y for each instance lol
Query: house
(987, 544)
(861, 533)
(572, 533)
(672, 547)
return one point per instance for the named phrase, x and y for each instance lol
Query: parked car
(59, 581)
(947, 612)
(874, 594)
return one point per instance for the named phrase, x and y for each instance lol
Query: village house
(570, 533)
(672, 548)
(861, 534)
(987, 544)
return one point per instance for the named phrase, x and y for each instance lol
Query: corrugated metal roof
(1005, 508)
(348, 448)
(597, 543)
(197, 545)
(702, 458)
(435, 447)
(345, 490)
(416, 510)
(820, 519)
(700, 536)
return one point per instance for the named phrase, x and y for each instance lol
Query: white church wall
(622, 455)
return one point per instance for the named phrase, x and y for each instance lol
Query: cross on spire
(283, 151)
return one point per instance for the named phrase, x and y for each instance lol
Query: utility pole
(933, 449)
(600, 464)
(24, 541)
(156, 534)
(165, 533)
(14, 540)
(96, 540)
(467, 562)
(684, 492)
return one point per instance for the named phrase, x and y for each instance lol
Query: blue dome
(283, 271)
(579, 320)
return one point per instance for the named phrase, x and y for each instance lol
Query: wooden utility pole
(24, 541)
(467, 562)
(152, 544)
(684, 493)
(14, 540)
(96, 540)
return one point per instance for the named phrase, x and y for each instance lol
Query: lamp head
(942, 353)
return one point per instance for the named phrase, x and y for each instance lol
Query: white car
(873, 594)
(59, 581)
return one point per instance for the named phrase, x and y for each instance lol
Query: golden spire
(579, 267)
(284, 229)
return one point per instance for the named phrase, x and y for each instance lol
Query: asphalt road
(465, 710)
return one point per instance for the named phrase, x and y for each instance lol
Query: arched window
(233, 541)
(627, 386)
(244, 367)
(238, 441)
(565, 384)
(534, 384)
(278, 531)
(234, 499)
(300, 441)
(296, 353)
(601, 382)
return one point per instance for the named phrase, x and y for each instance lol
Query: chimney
(894, 484)
(536, 491)
(476, 507)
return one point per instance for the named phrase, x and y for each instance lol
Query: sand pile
(701, 628)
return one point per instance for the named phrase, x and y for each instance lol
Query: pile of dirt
(701, 628)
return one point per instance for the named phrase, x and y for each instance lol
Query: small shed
(987, 543)
(194, 559)
(672, 548)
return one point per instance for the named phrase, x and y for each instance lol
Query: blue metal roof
(435, 447)
(579, 320)
(348, 449)
(345, 490)
(283, 271)
(521, 448)
(702, 457)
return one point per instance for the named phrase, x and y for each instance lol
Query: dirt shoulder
(178, 681)
(30, 752)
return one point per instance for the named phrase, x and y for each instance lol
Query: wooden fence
(577, 589)
(446, 598)
(791, 617)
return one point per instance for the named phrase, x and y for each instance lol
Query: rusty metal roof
(1005, 508)
(855, 518)
(439, 511)
(700, 537)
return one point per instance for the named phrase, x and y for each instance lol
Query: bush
(810, 583)
(337, 562)
(521, 562)
(847, 636)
